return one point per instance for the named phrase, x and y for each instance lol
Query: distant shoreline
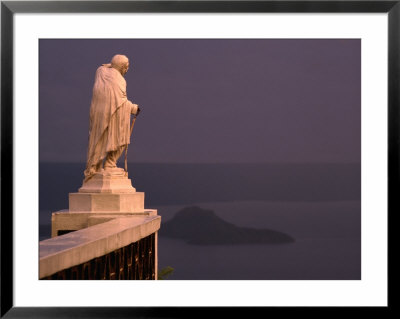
(169, 184)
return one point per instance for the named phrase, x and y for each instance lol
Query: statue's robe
(110, 109)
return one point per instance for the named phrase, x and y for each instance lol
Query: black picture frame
(9, 8)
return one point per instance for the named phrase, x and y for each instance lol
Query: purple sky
(212, 101)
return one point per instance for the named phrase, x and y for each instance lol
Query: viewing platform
(106, 233)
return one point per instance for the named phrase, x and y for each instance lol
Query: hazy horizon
(169, 184)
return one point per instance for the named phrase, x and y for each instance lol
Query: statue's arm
(134, 108)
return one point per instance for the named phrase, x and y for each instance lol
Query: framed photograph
(267, 141)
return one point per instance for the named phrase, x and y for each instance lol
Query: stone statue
(110, 112)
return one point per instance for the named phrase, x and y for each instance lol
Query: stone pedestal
(110, 202)
(108, 194)
(112, 180)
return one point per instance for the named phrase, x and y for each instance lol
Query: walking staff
(126, 149)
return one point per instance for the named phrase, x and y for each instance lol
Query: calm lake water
(307, 259)
(328, 243)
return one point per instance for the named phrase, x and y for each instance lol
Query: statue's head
(121, 63)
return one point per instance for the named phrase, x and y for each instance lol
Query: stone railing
(124, 247)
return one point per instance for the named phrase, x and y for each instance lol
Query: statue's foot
(109, 166)
(113, 170)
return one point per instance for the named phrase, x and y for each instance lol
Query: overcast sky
(212, 101)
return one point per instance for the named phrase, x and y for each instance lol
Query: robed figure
(110, 111)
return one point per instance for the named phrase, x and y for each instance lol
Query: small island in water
(198, 226)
